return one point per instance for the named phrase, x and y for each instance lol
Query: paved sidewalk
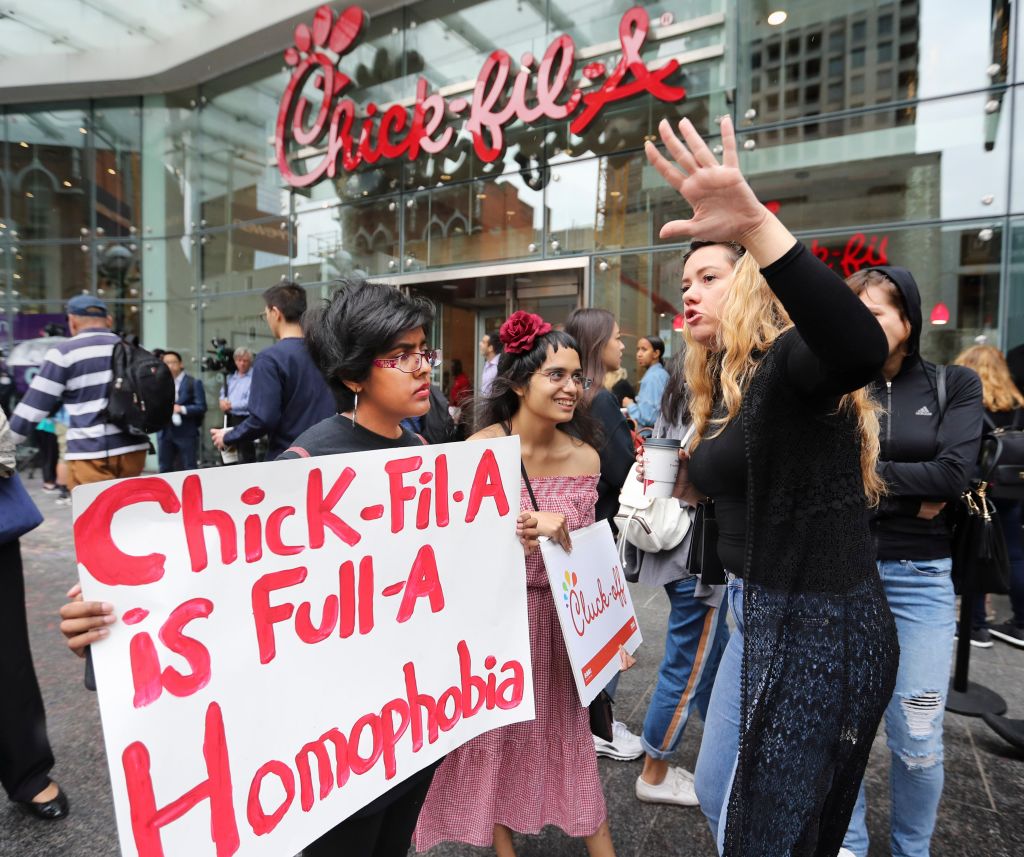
(982, 811)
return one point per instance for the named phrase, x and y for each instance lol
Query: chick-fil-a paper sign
(295, 638)
(593, 605)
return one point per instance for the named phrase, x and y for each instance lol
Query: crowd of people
(826, 450)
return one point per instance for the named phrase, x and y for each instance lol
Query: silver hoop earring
(355, 407)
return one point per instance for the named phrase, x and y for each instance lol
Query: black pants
(48, 454)
(385, 833)
(25, 755)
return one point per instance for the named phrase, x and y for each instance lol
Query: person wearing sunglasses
(371, 343)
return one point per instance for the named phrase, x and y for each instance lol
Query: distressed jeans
(920, 595)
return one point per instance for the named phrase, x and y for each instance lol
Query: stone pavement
(981, 812)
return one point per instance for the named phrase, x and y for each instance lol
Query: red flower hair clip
(520, 330)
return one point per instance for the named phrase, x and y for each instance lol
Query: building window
(812, 68)
(857, 58)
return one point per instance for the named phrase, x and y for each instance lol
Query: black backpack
(141, 393)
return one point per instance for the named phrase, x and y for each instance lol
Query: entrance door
(471, 303)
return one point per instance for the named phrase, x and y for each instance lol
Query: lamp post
(117, 259)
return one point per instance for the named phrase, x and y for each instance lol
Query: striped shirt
(77, 372)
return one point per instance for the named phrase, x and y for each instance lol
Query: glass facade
(872, 140)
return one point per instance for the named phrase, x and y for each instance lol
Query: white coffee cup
(229, 454)
(661, 465)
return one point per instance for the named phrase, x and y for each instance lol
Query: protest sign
(593, 604)
(297, 637)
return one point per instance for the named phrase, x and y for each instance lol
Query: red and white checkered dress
(527, 775)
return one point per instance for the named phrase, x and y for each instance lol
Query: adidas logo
(923, 411)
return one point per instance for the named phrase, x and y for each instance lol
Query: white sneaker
(624, 745)
(676, 789)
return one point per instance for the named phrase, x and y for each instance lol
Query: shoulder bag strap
(940, 388)
(526, 478)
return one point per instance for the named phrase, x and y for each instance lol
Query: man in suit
(181, 438)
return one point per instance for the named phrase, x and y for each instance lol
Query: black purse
(600, 709)
(981, 563)
(1001, 464)
(703, 560)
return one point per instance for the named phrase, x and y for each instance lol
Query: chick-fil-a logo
(539, 90)
(583, 610)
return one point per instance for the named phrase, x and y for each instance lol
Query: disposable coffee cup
(661, 465)
(229, 454)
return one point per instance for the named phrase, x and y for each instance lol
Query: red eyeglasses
(409, 361)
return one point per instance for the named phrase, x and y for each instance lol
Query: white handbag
(651, 524)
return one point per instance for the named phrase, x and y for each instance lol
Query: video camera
(220, 358)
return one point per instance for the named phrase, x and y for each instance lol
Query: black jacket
(616, 453)
(925, 455)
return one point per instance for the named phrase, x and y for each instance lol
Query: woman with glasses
(371, 344)
(526, 776)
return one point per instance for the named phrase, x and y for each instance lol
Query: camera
(220, 358)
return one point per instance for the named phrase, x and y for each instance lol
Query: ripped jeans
(920, 595)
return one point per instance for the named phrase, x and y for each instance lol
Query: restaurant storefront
(488, 155)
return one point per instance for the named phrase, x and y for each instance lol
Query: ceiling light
(82, 131)
(23, 144)
(446, 178)
(112, 171)
(614, 193)
(777, 18)
(30, 195)
(67, 183)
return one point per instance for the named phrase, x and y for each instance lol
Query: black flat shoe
(52, 810)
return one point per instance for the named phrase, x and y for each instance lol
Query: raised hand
(725, 207)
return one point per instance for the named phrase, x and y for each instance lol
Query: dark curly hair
(360, 321)
(515, 372)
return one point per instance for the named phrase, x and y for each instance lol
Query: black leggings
(385, 833)
(25, 755)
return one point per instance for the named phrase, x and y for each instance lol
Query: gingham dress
(527, 775)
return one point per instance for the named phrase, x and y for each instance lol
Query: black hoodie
(925, 455)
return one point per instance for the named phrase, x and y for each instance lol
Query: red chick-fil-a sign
(533, 91)
(297, 637)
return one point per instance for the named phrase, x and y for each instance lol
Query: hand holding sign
(594, 607)
(294, 638)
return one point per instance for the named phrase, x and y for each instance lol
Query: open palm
(724, 206)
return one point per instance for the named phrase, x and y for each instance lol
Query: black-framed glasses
(409, 361)
(558, 377)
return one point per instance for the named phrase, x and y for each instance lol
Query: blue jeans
(1010, 519)
(694, 644)
(716, 762)
(920, 595)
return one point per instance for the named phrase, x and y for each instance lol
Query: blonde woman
(777, 345)
(1004, 407)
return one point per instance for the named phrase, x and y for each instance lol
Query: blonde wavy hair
(751, 319)
(998, 391)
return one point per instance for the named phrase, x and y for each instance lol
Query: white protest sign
(593, 604)
(297, 637)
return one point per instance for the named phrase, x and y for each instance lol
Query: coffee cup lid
(664, 442)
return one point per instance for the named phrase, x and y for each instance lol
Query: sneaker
(676, 789)
(1008, 633)
(49, 488)
(981, 639)
(624, 745)
(62, 500)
